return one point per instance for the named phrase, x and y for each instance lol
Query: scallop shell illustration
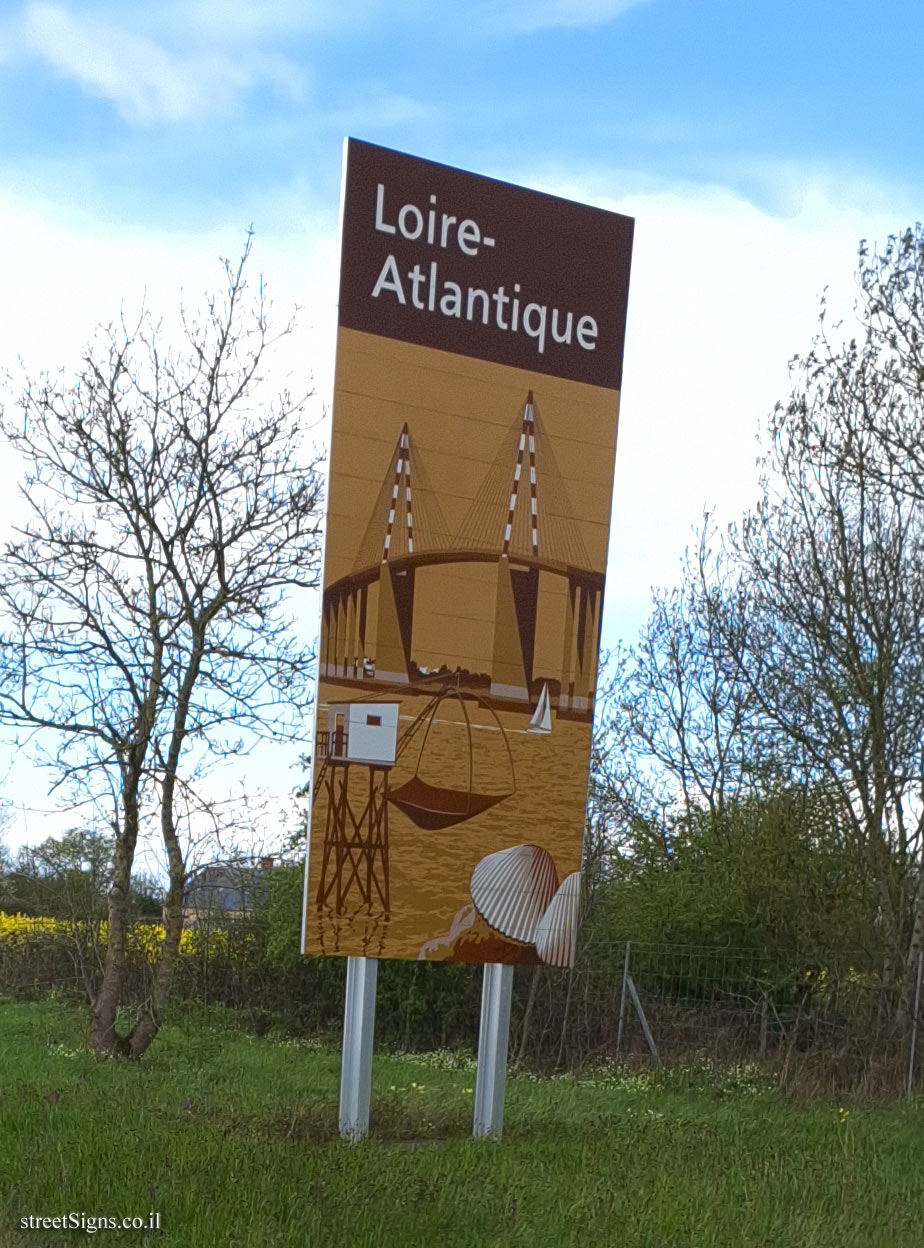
(512, 887)
(556, 931)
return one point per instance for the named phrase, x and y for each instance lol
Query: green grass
(233, 1140)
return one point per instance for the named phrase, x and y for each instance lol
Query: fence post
(643, 1021)
(909, 1084)
(622, 998)
(763, 1027)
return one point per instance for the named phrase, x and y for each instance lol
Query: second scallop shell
(512, 888)
(556, 931)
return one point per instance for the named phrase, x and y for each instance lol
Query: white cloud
(253, 21)
(377, 109)
(723, 293)
(722, 296)
(145, 83)
(521, 17)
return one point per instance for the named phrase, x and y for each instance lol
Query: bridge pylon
(522, 521)
(581, 643)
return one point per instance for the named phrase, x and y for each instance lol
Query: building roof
(226, 886)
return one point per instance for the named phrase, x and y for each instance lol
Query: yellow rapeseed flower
(144, 938)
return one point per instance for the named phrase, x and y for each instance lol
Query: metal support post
(493, 1036)
(356, 1057)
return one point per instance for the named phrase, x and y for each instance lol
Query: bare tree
(827, 626)
(691, 710)
(6, 862)
(892, 285)
(146, 601)
(619, 795)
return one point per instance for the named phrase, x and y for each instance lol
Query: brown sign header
(452, 260)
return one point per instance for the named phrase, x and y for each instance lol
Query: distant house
(223, 890)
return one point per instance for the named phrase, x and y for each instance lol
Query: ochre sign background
(474, 429)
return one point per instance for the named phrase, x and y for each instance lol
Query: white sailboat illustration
(542, 715)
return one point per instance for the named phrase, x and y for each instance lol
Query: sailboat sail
(542, 715)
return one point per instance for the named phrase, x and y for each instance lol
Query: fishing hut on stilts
(356, 754)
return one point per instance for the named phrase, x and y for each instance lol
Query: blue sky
(174, 110)
(753, 143)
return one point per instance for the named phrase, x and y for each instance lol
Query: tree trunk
(527, 1017)
(149, 1021)
(564, 1022)
(150, 1018)
(104, 1010)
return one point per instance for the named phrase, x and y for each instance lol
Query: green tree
(771, 873)
(66, 877)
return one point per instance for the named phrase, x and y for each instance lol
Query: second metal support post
(359, 1027)
(356, 1058)
(493, 1037)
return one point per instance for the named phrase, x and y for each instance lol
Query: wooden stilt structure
(355, 863)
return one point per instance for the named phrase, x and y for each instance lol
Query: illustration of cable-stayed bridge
(520, 520)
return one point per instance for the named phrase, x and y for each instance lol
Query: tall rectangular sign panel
(478, 370)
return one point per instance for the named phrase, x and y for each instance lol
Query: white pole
(356, 1058)
(493, 1037)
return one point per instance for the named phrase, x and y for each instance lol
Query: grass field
(233, 1140)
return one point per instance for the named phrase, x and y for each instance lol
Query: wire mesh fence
(817, 1024)
(824, 1023)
